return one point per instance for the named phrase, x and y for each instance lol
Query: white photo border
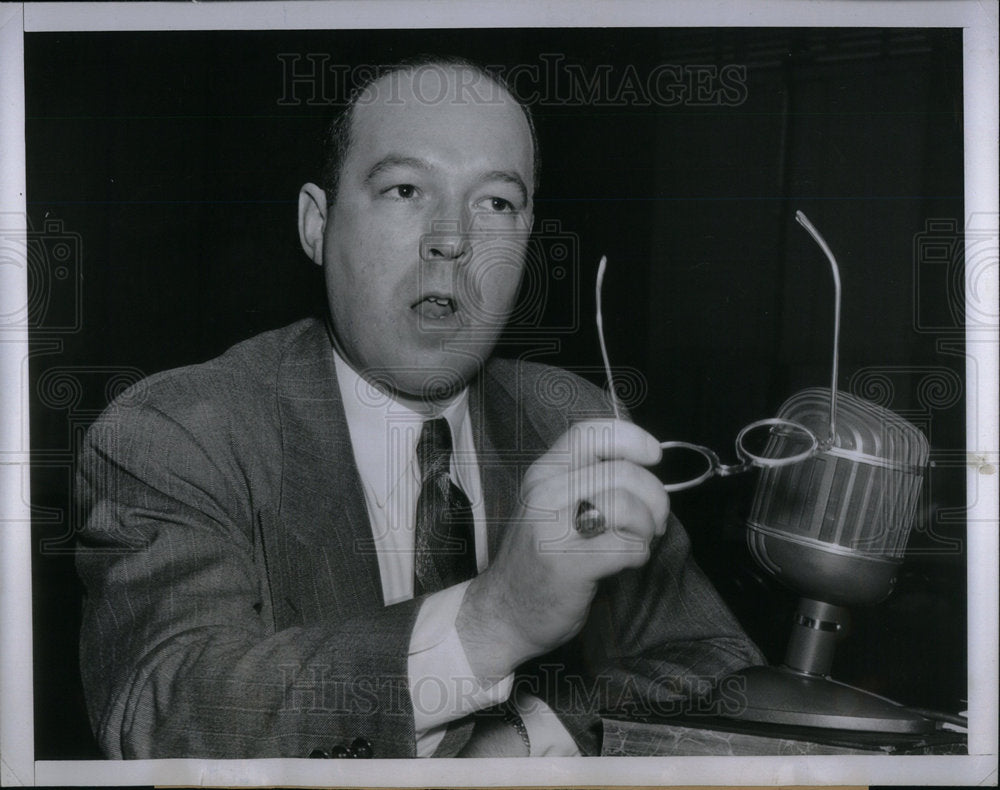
(979, 21)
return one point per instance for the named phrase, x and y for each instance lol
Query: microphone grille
(858, 496)
(862, 426)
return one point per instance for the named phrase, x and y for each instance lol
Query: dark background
(163, 170)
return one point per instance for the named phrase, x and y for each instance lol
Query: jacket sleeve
(657, 642)
(660, 639)
(180, 655)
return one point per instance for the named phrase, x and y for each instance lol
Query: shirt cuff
(443, 687)
(548, 736)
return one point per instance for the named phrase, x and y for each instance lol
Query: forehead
(450, 115)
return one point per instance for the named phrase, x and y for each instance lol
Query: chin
(436, 379)
(434, 387)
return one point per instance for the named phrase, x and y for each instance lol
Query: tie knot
(434, 449)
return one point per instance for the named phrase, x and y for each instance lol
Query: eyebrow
(396, 160)
(508, 178)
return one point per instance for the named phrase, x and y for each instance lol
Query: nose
(447, 240)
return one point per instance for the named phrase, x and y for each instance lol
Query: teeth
(436, 307)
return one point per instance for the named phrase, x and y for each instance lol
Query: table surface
(709, 737)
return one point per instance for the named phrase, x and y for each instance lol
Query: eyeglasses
(782, 442)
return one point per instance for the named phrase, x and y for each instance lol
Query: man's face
(424, 245)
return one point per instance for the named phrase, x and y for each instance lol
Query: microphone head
(834, 527)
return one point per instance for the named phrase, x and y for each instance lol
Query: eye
(403, 191)
(498, 204)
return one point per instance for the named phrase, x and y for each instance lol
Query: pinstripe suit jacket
(233, 602)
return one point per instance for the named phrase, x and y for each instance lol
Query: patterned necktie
(445, 537)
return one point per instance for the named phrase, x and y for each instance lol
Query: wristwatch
(513, 718)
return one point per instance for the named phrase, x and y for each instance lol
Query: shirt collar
(384, 430)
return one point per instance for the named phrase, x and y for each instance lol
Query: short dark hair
(337, 140)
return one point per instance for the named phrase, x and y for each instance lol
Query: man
(269, 570)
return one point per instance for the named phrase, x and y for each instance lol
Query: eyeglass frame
(747, 460)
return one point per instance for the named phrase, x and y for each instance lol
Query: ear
(312, 221)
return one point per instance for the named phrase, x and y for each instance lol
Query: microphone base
(778, 695)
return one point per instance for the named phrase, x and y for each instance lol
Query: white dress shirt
(384, 433)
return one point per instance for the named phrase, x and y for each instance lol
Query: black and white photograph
(443, 382)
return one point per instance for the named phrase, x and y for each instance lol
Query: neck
(428, 406)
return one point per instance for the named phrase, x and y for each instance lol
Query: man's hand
(537, 591)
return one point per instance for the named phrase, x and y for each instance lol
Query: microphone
(834, 529)
(830, 519)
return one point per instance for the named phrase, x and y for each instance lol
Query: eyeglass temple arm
(803, 220)
(601, 267)
(805, 223)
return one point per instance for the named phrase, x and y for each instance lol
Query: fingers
(601, 463)
(617, 484)
(629, 497)
(593, 441)
(625, 543)
(605, 481)
(606, 440)
(631, 529)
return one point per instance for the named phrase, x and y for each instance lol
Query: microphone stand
(801, 693)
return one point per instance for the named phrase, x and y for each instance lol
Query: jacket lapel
(506, 444)
(330, 569)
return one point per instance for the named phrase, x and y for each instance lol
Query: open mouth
(435, 307)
